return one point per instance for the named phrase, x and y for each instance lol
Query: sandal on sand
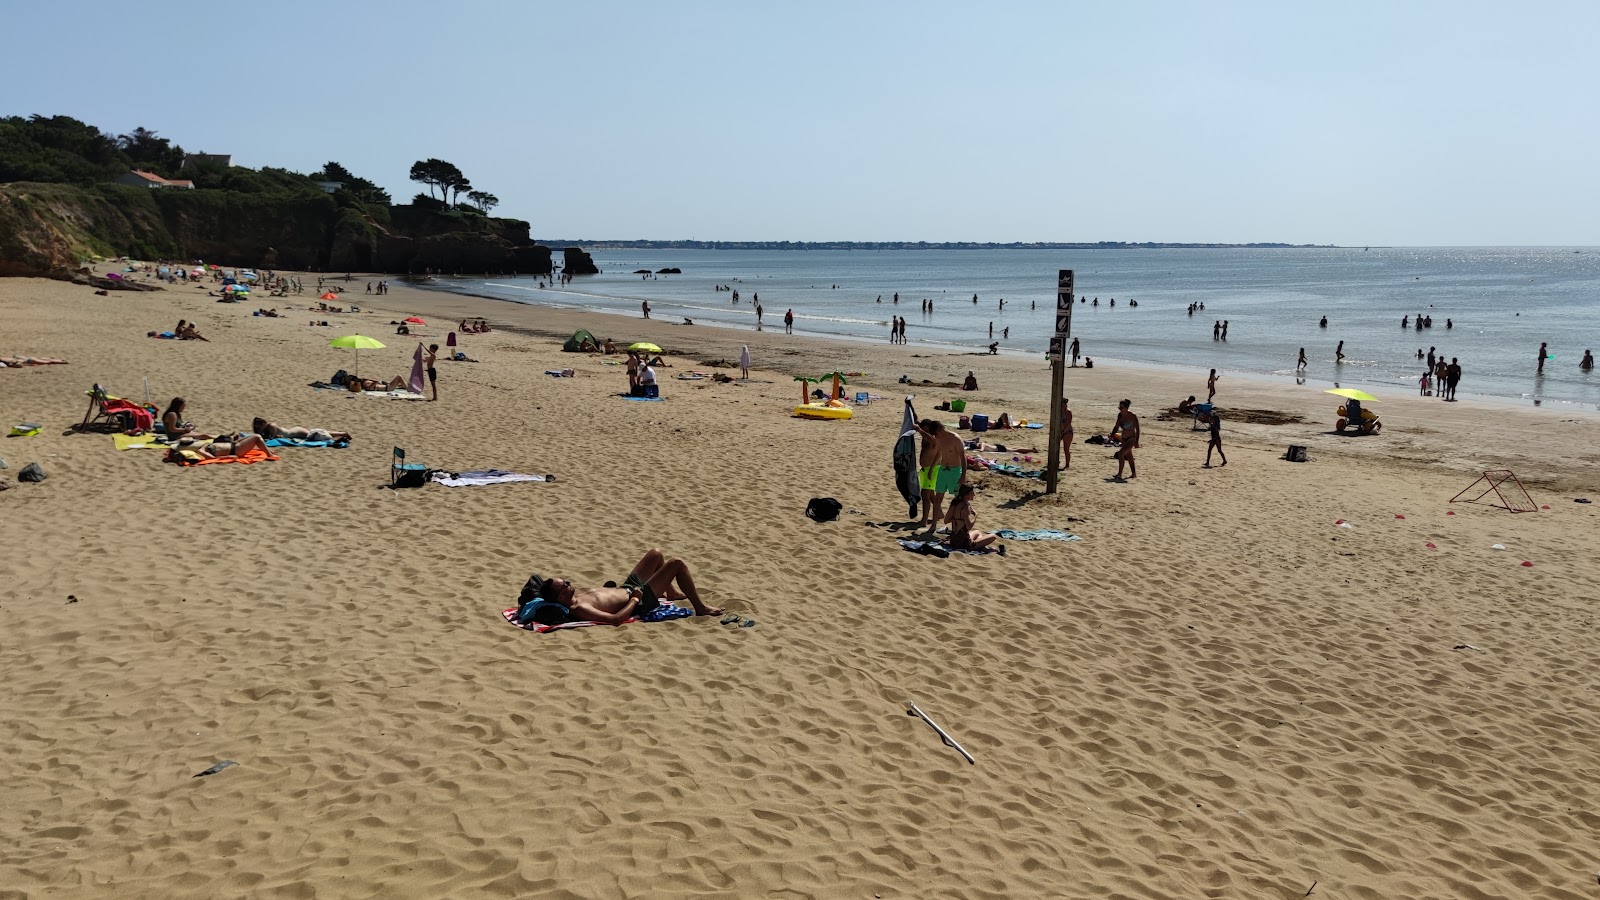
(729, 619)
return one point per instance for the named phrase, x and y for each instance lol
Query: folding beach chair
(406, 475)
(97, 416)
(1202, 416)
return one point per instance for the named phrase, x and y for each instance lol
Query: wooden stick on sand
(912, 710)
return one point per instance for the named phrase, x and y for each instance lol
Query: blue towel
(297, 442)
(666, 611)
(643, 399)
(1041, 534)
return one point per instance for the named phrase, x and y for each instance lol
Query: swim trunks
(647, 596)
(433, 374)
(939, 479)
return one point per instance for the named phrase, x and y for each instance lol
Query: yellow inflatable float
(832, 408)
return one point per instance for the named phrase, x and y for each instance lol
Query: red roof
(148, 176)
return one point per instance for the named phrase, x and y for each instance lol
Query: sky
(1352, 123)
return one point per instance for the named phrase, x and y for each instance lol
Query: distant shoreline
(919, 245)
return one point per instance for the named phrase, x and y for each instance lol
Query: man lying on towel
(653, 581)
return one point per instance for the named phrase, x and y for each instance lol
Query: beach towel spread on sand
(191, 458)
(643, 399)
(1038, 534)
(299, 442)
(490, 476)
(937, 548)
(660, 614)
(146, 441)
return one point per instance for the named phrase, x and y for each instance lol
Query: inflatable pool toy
(822, 411)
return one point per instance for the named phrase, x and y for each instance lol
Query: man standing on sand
(943, 468)
(1066, 435)
(1127, 433)
(788, 321)
(1074, 353)
(428, 360)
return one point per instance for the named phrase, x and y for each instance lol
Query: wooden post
(1058, 365)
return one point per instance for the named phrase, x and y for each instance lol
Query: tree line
(64, 150)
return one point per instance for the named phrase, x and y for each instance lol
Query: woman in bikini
(176, 427)
(1066, 435)
(961, 518)
(271, 430)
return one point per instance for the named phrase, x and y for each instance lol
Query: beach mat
(146, 441)
(662, 613)
(1038, 534)
(190, 458)
(490, 476)
(299, 442)
(939, 548)
(643, 399)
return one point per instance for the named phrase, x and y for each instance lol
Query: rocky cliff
(48, 229)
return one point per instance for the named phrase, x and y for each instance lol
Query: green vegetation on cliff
(59, 205)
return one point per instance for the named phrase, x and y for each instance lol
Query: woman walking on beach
(1211, 386)
(1127, 434)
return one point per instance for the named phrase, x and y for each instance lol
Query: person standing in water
(1338, 354)
(1588, 362)
(1301, 364)
(1216, 330)
(1224, 329)
(1542, 354)
(788, 321)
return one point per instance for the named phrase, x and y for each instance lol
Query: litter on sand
(215, 769)
(912, 710)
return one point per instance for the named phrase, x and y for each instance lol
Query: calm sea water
(1502, 301)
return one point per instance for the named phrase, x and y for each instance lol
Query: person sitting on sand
(653, 581)
(228, 445)
(174, 425)
(610, 347)
(17, 362)
(272, 430)
(1002, 424)
(187, 332)
(971, 384)
(962, 518)
(1186, 407)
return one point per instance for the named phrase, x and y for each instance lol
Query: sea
(1491, 307)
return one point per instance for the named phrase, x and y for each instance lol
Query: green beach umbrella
(358, 343)
(1352, 394)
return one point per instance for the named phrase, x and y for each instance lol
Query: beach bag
(31, 472)
(823, 509)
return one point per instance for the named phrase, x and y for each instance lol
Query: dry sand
(1217, 693)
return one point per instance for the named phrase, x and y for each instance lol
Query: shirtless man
(1127, 430)
(1066, 435)
(943, 468)
(655, 580)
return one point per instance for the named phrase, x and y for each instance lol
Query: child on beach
(1423, 390)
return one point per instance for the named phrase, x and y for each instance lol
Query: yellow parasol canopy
(1352, 394)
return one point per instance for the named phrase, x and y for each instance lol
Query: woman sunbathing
(271, 430)
(172, 421)
(357, 385)
(17, 362)
(188, 333)
(228, 445)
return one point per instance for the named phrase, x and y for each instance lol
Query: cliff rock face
(579, 262)
(48, 229)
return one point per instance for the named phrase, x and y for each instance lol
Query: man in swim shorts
(943, 468)
(653, 581)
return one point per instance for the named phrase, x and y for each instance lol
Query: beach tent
(575, 343)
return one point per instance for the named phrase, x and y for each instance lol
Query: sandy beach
(1217, 692)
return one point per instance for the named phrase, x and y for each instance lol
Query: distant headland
(925, 245)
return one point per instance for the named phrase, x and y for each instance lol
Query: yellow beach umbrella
(1353, 394)
(358, 343)
(645, 346)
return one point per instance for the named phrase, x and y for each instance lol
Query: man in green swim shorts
(943, 468)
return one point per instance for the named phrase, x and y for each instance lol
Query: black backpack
(823, 509)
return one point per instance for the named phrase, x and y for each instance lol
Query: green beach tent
(575, 343)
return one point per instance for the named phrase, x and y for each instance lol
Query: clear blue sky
(1350, 123)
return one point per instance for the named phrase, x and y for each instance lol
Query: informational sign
(1058, 350)
(1063, 322)
(1058, 346)
(1063, 281)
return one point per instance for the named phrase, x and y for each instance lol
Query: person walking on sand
(1542, 354)
(1126, 432)
(788, 321)
(943, 468)
(744, 363)
(1216, 439)
(1066, 435)
(1300, 365)
(428, 359)
(1338, 354)
(645, 305)
(1211, 386)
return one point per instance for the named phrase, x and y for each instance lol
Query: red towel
(143, 420)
